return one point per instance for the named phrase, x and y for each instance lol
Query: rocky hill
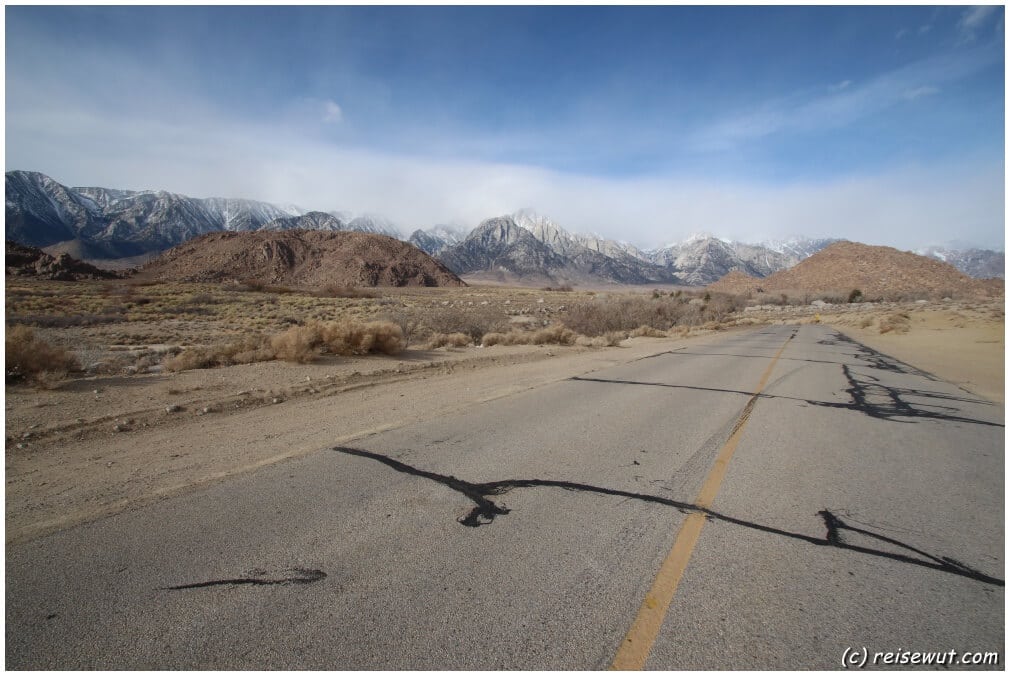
(30, 261)
(876, 271)
(307, 258)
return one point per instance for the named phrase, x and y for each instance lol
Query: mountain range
(102, 223)
(107, 226)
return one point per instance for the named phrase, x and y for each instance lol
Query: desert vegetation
(132, 325)
(28, 357)
(301, 344)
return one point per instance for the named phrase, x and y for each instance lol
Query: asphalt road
(795, 494)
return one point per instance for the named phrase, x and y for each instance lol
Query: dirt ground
(102, 443)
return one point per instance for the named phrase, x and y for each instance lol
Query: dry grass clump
(246, 350)
(299, 344)
(608, 339)
(303, 343)
(648, 332)
(437, 340)
(354, 338)
(552, 335)
(896, 322)
(29, 358)
(337, 291)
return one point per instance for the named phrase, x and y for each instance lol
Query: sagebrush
(300, 344)
(30, 358)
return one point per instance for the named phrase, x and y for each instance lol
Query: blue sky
(881, 124)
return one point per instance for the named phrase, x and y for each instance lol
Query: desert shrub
(600, 315)
(497, 338)
(251, 285)
(61, 321)
(192, 358)
(408, 322)
(866, 322)
(896, 322)
(609, 339)
(245, 350)
(473, 321)
(195, 299)
(855, 296)
(337, 291)
(437, 340)
(627, 313)
(257, 286)
(29, 358)
(556, 334)
(564, 288)
(297, 344)
(300, 344)
(353, 338)
(648, 332)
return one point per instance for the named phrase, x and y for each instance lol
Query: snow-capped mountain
(437, 239)
(373, 223)
(104, 223)
(539, 250)
(978, 263)
(798, 247)
(312, 220)
(703, 258)
(563, 241)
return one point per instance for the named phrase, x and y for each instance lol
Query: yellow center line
(637, 644)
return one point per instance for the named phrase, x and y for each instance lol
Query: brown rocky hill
(877, 271)
(736, 282)
(29, 261)
(300, 258)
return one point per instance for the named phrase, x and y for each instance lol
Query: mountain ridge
(109, 226)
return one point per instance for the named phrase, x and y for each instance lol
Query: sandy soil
(964, 344)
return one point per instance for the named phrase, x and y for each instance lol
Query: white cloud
(919, 92)
(845, 102)
(973, 19)
(332, 112)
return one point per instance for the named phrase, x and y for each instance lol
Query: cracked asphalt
(861, 507)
